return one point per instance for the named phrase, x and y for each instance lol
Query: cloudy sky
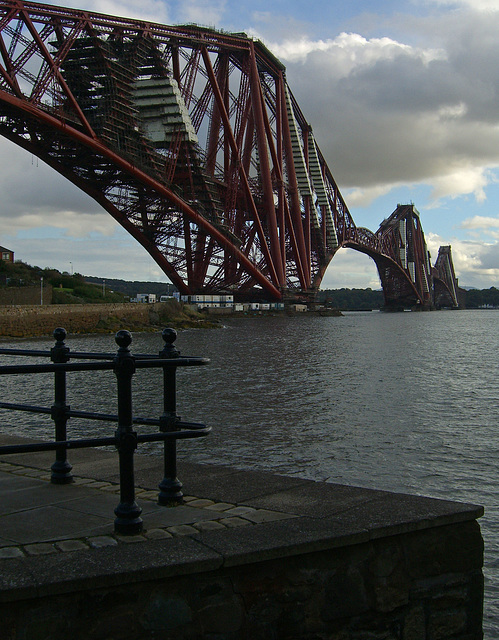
(403, 98)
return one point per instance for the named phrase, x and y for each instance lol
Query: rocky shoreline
(26, 321)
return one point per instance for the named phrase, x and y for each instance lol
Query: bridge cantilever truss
(190, 138)
(399, 250)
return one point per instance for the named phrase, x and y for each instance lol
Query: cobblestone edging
(230, 516)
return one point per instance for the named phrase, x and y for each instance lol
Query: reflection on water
(403, 402)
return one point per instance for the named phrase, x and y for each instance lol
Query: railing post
(61, 469)
(170, 487)
(128, 520)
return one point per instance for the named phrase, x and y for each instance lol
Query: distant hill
(351, 299)
(477, 298)
(66, 288)
(70, 289)
(132, 288)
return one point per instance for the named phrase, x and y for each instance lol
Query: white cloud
(476, 5)
(349, 51)
(204, 12)
(388, 114)
(462, 181)
(476, 263)
(480, 222)
(363, 197)
(148, 10)
(483, 228)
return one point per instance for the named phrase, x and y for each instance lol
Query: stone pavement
(38, 517)
(55, 537)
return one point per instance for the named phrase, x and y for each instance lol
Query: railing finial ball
(60, 334)
(123, 338)
(169, 335)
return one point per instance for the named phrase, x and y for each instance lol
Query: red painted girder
(162, 190)
(268, 192)
(8, 72)
(228, 132)
(46, 13)
(61, 53)
(301, 257)
(108, 206)
(57, 74)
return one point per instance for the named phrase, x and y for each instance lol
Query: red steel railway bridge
(191, 139)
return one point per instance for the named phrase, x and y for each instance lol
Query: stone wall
(422, 585)
(36, 320)
(26, 295)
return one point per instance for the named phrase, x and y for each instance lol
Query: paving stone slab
(11, 552)
(10, 482)
(316, 499)
(93, 502)
(33, 492)
(155, 516)
(222, 484)
(209, 525)
(71, 545)
(264, 515)
(48, 523)
(235, 522)
(390, 514)
(98, 542)
(40, 548)
(157, 534)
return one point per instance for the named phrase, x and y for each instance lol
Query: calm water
(404, 402)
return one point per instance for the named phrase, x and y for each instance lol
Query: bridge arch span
(351, 269)
(61, 139)
(398, 288)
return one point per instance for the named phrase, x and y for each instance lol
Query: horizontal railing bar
(25, 352)
(198, 432)
(108, 417)
(100, 366)
(84, 355)
(90, 415)
(57, 366)
(24, 407)
(171, 362)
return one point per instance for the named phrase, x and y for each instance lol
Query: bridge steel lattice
(192, 140)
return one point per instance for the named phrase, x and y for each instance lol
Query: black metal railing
(125, 438)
